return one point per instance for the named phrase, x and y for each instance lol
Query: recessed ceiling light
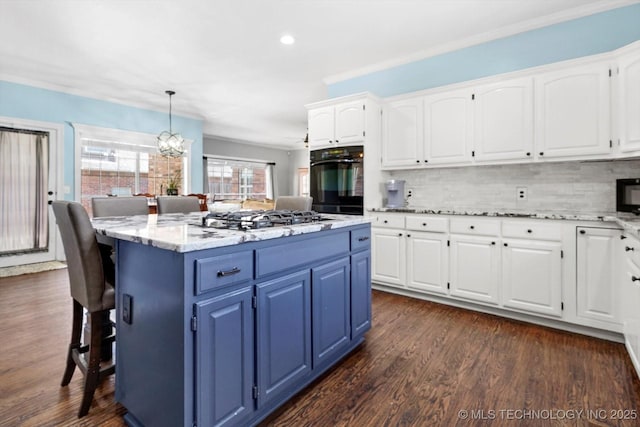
(287, 39)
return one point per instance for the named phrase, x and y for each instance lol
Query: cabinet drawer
(427, 223)
(388, 221)
(531, 230)
(303, 252)
(485, 227)
(360, 239)
(223, 270)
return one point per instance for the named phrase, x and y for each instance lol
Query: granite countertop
(185, 233)
(629, 222)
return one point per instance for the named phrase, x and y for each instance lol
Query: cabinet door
(532, 276)
(448, 127)
(321, 126)
(388, 259)
(283, 334)
(402, 140)
(630, 291)
(224, 359)
(572, 112)
(629, 102)
(349, 122)
(427, 262)
(597, 293)
(504, 120)
(331, 308)
(474, 268)
(360, 293)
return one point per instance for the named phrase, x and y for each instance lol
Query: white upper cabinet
(629, 101)
(448, 124)
(503, 121)
(402, 140)
(572, 112)
(340, 124)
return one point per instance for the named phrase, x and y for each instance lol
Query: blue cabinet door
(331, 310)
(360, 293)
(283, 334)
(224, 359)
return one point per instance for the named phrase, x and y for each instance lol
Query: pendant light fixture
(170, 144)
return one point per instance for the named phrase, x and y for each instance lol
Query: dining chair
(178, 204)
(202, 199)
(119, 206)
(293, 203)
(91, 290)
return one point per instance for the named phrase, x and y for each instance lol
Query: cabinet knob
(330, 141)
(471, 227)
(493, 243)
(337, 141)
(400, 234)
(528, 153)
(408, 235)
(417, 161)
(529, 231)
(426, 161)
(506, 244)
(424, 224)
(542, 153)
(385, 221)
(634, 278)
(628, 248)
(622, 237)
(583, 232)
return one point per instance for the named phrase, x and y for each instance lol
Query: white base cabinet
(474, 268)
(597, 292)
(388, 256)
(427, 262)
(532, 276)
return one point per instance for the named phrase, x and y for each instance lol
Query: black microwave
(628, 195)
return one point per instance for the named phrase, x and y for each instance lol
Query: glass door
(28, 232)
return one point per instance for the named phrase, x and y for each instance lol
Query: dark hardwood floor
(421, 365)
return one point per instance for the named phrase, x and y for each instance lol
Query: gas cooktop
(251, 220)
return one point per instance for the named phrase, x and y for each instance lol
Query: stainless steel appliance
(395, 193)
(254, 219)
(628, 195)
(336, 180)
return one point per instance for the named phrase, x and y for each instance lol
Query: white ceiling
(224, 59)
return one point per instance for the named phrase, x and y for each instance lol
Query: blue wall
(585, 36)
(27, 102)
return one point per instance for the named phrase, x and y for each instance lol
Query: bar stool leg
(76, 331)
(92, 377)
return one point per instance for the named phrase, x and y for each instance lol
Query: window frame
(270, 176)
(121, 138)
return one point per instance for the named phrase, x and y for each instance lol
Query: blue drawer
(223, 270)
(360, 239)
(290, 255)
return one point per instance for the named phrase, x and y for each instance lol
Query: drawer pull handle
(363, 238)
(634, 278)
(529, 231)
(582, 232)
(234, 270)
(628, 248)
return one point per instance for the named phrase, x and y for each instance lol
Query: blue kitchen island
(220, 327)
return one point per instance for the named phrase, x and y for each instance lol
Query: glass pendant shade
(170, 144)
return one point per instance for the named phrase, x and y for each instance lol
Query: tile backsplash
(562, 186)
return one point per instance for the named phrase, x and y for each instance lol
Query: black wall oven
(337, 181)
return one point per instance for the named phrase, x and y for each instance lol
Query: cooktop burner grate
(250, 220)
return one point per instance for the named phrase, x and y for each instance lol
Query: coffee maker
(395, 193)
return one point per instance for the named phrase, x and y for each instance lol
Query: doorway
(29, 160)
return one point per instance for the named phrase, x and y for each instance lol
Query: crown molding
(532, 24)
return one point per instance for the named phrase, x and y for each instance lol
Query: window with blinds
(228, 179)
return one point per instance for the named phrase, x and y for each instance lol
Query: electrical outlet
(521, 193)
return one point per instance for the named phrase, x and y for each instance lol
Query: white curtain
(24, 172)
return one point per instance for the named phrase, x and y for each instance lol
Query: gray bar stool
(90, 290)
